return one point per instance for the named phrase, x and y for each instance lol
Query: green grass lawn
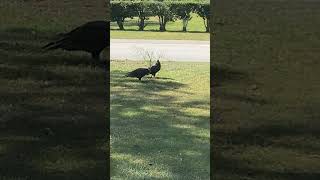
(266, 96)
(160, 127)
(52, 105)
(196, 30)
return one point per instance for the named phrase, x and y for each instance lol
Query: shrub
(142, 11)
(120, 10)
(165, 10)
(203, 10)
(162, 10)
(183, 11)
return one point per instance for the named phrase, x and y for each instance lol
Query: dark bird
(138, 73)
(155, 68)
(91, 37)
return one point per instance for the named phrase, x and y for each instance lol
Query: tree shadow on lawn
(271, 134)
(153, 132)
(235, 143)
(53, 117)
(232, 167)
(25, 34)
(221, 73)
(69, 124)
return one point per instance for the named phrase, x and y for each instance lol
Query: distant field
(196, 30)
(160, 127)
(52, 105)
(266, 90)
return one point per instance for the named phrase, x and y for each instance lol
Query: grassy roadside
(266, 74)
(160, 127)
(115, 34)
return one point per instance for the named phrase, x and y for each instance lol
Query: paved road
(172, 50)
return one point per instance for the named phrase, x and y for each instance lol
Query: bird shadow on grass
(148, 82)
(157, 77)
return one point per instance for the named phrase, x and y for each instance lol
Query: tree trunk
(141, 24)
(120, 24)
(185, 24)
(184, 29)
(162, 27)
(162, 24)
(208, 26)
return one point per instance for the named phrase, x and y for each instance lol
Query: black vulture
(91, 37)
(155, 68)
(138, 73)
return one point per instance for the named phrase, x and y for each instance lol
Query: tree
(162, 10)
(119, 12)
(183, 11)
(142, 11)
(203, 10)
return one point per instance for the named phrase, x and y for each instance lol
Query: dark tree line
(165, 11)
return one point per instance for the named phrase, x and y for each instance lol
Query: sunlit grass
(160, 127)
(159, 35)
